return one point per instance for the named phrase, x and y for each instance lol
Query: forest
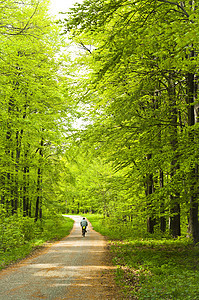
(140, 91)
(99, 115)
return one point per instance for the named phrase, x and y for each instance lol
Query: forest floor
(73, 268)
(153, 266)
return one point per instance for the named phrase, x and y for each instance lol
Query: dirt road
(73, 268)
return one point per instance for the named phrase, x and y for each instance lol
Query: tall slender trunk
(174, 222)
(39, 195)
(162, 208)
(38, 208)
(9, 159)
(151, 220)
(26, 200)
(193, 213)
(16, 169)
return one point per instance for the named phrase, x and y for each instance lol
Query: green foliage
(11, 235)
(55, 227)
(20, 235)
(28, 228)
(34, 115)
(142, 97)
(152, 267)
(159, 269)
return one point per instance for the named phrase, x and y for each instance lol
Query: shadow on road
(73, 268)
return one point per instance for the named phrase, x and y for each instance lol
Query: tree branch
(177, 4)
(84, 47)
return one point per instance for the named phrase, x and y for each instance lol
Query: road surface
(73, 268)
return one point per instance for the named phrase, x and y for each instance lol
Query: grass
(50, 233)
(153, 268)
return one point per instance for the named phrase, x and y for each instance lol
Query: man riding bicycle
(83, 224)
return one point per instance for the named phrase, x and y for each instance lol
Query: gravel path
(73, 268)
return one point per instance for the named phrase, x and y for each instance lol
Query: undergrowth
(153, 267)
(19, 236)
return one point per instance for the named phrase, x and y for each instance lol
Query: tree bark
(151, 220)
(162, 209)
(38, 207)
(193, 213)
(174, 222)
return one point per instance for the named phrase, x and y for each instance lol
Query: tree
(139, 90)
(34, 106)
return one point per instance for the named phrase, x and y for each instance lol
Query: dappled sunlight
(44, 266)
(85, 249)
(72, 268)
(65, 284)
(62, 271)
(50, 267)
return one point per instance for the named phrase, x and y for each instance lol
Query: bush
(11, 235)
(18, 235)
(28, 228)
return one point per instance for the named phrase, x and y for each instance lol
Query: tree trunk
(38, 208)
(39, 195)
(174, 224)
(162, 218)
(26, 200)
(193, 214)
(151, 220)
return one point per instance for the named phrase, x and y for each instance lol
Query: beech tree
(34, 106)
(144, 89)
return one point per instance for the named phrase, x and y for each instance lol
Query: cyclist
(83, 224)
